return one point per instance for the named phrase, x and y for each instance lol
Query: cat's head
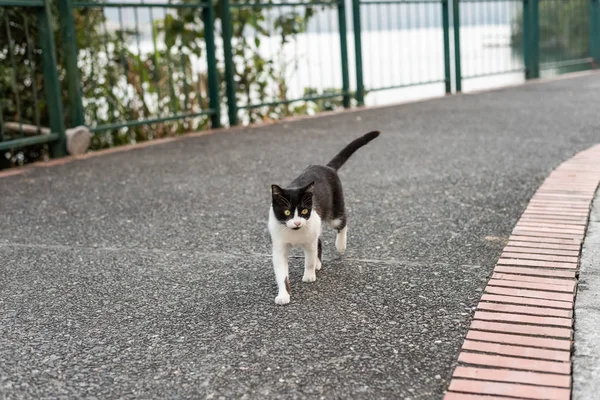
(293, 207)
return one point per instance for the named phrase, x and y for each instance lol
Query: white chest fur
(281, 234)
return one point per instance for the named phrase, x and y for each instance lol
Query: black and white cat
(297, 212)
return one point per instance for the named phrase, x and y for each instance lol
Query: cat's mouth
(296, 228)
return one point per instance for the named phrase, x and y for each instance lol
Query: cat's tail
(356, 144)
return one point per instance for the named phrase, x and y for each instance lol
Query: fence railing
(158, 78)
(30, 100)
(397, 33)
(132, 70)
(271, 45)
(564, 35)
(484, 26)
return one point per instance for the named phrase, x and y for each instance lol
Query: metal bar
(172, 94)
(456, 29)
(15, 77)
(24, 142)
(110, 99)
(534, 38)
(67, 27)
(360, 87)
(567, 63)
(407, 85)
(51, 82)
(446, 33)
(157, 73)
(130, 124)
(34, 87)
(526, 38)
(283, 4)
(279, 102)
(185, 61)
(1, 112)
(92, 63)
(344, 51)
(22, 3)
(593, 31)
(486, 74)
(208, 14)
(124, 57)
(139, 59)
(232, 110)
(86, 4)
(1, 120)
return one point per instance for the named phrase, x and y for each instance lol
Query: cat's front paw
(283, 298)
(309, 277)
(318, 267)
(340, 244)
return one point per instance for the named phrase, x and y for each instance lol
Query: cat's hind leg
(341, 237)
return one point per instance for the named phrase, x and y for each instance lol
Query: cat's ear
(310, 188)
(276, 191)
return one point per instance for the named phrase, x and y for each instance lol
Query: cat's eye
(287, 213)
(304, 212)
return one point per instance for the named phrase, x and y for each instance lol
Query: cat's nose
(297, 223)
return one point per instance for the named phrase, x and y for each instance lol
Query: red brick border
(519, 342)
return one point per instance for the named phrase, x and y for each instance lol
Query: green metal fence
(30, 101)
(156, 64)
(564, 33)
(404, 32)
(481, 29)
(134, 71)
(268, 45)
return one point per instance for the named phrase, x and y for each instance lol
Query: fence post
(594, 45)
(446, 28)
(67, 27)
(344, 51)
(208, 15)
(525, 38)
(232, 110)
(360, 87)
(531, 39)
(51, 83)
(456, 29)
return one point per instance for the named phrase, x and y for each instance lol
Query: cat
(297, 212)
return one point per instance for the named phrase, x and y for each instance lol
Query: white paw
(340, 240)
(283, 298)
(318, 267)
(340, 244)
(309, 277)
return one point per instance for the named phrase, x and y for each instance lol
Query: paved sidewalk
(146, 274)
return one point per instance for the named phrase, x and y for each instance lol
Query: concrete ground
(146, 274)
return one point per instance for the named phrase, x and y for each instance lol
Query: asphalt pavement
(147, 274)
